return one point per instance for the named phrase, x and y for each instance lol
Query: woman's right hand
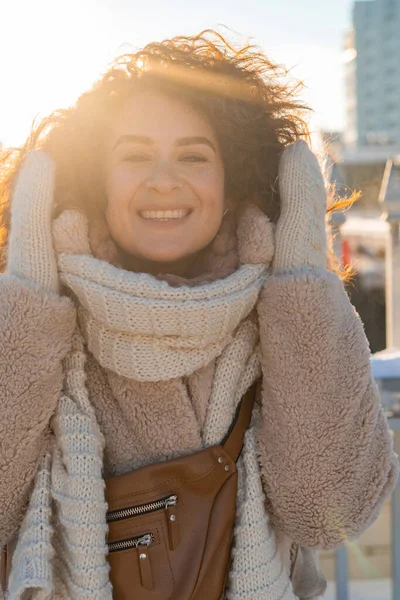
(30, 248)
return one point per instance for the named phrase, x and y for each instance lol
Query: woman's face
(164, 179)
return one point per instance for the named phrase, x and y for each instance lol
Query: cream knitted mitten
(30, 248)
(300, 237)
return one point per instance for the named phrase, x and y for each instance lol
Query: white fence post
(390, 199)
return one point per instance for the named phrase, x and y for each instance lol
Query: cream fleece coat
(325, 449)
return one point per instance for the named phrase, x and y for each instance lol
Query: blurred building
(372, 78)
(372, 89)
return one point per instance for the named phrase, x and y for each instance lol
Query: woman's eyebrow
(133, 139)
(143, 139)
(188, 141)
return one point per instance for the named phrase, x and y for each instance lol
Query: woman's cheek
(122, 186)
(209, 186)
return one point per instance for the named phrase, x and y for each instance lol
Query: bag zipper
(168, 504)
(142, 509)
(141, 543)
(141, 540)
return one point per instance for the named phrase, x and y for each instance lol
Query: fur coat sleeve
(36, 329)
(326, 451)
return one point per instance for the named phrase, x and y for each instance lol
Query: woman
(166, 248)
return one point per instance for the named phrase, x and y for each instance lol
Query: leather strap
(234, 439)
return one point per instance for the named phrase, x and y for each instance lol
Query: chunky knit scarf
(146, 329)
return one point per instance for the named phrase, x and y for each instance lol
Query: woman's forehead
(159, 116)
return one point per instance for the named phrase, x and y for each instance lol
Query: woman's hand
(30, 251)
(300, 237)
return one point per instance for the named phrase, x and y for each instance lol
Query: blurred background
(347, 53)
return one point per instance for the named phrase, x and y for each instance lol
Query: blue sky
(51, 50)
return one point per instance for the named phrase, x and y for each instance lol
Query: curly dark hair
(247, 99)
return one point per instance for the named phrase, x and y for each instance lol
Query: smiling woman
(187, 407)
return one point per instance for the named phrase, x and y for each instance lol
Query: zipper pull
(174, 537)
(144, 561)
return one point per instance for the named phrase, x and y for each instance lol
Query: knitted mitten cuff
(300, 238)
(30, 248)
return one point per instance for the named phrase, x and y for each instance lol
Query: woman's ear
(255, 234)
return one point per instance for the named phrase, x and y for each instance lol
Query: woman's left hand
(300, 237)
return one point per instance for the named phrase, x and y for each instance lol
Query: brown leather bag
(171, 523)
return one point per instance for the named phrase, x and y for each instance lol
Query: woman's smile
(165, 215)
(165, 219)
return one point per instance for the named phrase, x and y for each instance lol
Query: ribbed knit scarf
(143, 328)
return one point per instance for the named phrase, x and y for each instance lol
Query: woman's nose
(164, 179)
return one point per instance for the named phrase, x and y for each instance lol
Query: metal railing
(341, 555)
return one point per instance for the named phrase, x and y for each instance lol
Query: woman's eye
(193, 158)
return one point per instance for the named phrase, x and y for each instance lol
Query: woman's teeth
(164, 215)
